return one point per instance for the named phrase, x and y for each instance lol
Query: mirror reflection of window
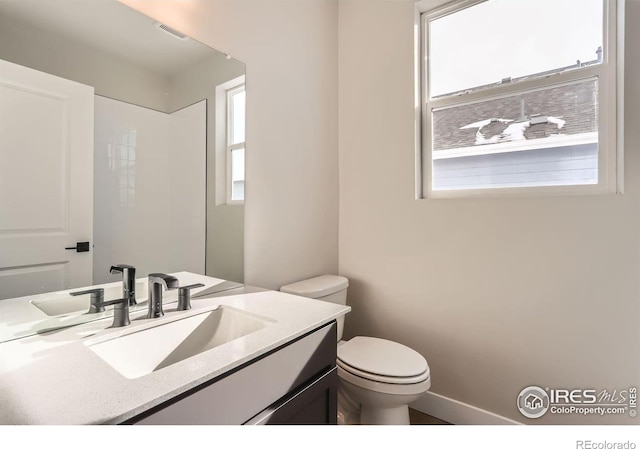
(235, 143)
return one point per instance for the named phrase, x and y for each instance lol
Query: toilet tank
(328, 288)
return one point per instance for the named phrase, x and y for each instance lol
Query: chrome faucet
(128, 281)
(156, 282)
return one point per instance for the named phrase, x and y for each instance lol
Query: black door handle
(81, 247)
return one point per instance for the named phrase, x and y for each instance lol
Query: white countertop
(55, 378)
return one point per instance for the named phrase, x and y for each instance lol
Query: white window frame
(231, 147)
(610, 75)
(223, 148)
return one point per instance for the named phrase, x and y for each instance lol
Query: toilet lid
(382, 357)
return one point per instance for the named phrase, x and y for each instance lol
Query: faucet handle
(96, 300)
(184, 296)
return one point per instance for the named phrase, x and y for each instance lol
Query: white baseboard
(456, 412)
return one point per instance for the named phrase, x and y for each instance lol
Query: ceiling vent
(175, 33)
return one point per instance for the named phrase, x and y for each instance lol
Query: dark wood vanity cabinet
(296, 383)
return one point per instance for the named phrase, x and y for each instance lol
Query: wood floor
(418, 418)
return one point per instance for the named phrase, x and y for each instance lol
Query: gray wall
(497, 293)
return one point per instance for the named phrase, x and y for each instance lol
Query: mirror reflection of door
(155, 102)
(46, 181)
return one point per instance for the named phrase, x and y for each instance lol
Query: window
(235, 143)
(230, 141)
(508, 105)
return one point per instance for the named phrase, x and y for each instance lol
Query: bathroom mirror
(168, 136)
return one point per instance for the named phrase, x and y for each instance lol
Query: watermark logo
(588, 444)
(534, 402)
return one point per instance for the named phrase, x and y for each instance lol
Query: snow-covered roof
(562, 110)
(513, 131)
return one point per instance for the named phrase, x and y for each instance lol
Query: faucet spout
(156, 283)
(128, 281)
(169, 282)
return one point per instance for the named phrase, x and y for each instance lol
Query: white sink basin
(65, 304)
(143, 352)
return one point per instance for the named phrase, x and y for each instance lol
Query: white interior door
(46, 182)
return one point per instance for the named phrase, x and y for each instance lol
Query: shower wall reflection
(150, 180)
(121, 154)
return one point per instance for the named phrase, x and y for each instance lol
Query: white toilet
(378, 378)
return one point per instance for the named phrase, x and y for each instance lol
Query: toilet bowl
(378, 378)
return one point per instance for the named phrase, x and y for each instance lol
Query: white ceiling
(112, 27)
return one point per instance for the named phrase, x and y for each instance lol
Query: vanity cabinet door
(315, 403)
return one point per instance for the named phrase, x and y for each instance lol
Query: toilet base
(348, 409)
(378, 407)
(392, 416)
(394, 409)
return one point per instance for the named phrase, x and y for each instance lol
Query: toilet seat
(384, 387)
(380, 360)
